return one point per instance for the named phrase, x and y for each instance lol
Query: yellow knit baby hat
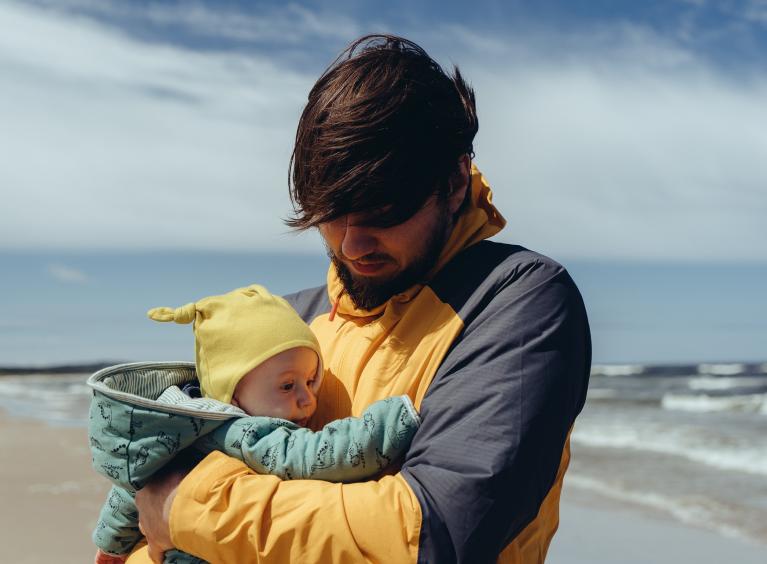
(237, 331)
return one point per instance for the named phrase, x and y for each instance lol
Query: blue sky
(609, 130)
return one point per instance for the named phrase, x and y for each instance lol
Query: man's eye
(380, 220)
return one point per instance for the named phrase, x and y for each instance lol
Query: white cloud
(289, 23)
(67, 274)
(609, 142)
(110, 142)
(622, 145)
(622, 163)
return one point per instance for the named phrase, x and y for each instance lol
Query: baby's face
(280, 386)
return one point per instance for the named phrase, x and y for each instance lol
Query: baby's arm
(117, 529)
(345, 450)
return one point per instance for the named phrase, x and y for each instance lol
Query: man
(491, 342)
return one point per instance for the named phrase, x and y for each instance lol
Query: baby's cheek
(282, 409)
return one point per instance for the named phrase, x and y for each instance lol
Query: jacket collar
(479, 220)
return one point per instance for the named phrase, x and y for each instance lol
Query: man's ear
(459, 183)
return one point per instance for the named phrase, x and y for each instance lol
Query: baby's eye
(287, 386)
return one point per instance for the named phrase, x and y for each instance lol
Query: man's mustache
(370, 258)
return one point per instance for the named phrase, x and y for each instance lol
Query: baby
(259, 369)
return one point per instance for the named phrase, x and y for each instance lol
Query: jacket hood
(477, 221)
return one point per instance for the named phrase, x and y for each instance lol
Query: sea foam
(725, 454)
(721, 369)
(721, 383)
(617, 369)
(699, 512)
(703, 403)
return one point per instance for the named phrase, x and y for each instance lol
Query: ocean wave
(704, 403)
(725, 454)
(722, 383)
(617, 369)
(699, 512)
(55, 399)
(722, 369)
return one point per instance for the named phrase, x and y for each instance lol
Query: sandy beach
(51, 497)
(594, 530)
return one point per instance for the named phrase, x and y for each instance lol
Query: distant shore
(84, 368)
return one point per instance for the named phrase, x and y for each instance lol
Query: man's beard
(367, 293)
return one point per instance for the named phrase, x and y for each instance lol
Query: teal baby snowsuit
(140, 420)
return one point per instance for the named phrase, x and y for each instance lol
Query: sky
(610, 130)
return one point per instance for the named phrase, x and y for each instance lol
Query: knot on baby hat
(184, 314)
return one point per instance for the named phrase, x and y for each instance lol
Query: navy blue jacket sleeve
(497, 414)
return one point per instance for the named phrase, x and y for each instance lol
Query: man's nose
(357, 241)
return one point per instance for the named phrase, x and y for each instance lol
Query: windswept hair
(382, 131)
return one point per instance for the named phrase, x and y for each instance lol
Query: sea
(676, 415)
(686, 440)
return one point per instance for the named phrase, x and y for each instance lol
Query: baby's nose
(306, 398)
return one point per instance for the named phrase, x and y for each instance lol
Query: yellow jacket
(495, 353)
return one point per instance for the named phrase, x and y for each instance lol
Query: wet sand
(595, 530)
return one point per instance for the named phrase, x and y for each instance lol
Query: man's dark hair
(382, 131)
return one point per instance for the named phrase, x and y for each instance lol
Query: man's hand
(154, 502)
